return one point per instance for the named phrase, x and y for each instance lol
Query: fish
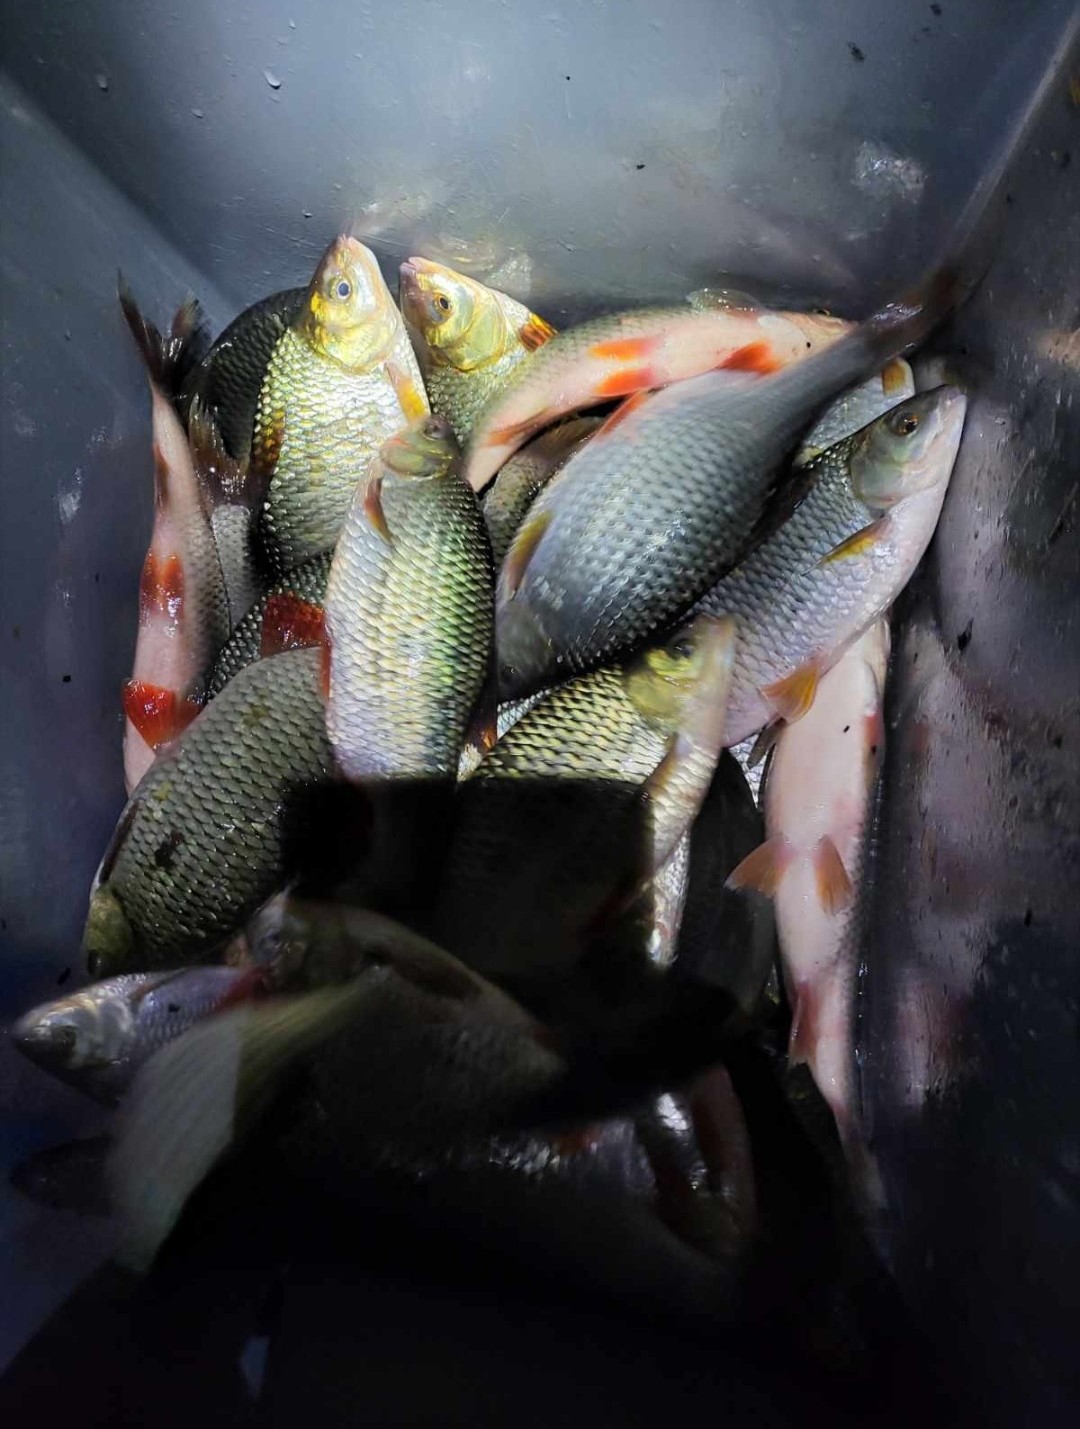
(869, 509)
(97, 1038)
(819, 797)
(469, 338)
(570, 815)
(206, 836)
(726, 937)
(409, 614)
(230, 496)
(508, 498)
(406, 1046)
(288, 616)
(183, 604)
(662, 502)
(857, 408)
(227, 380)
(622, 354)
(342, 378)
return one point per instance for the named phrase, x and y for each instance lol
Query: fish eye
(682, 649)
(432, 428)
(905, 424)
(343, 289)
(443, 302)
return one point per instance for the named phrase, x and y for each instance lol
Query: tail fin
(169, 357)
(223, 480)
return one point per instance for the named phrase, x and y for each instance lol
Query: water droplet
(271, 79)
(102, 82)
(292, 24)
(198, 113)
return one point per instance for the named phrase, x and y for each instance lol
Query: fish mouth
(46, 1044)
(410, 287)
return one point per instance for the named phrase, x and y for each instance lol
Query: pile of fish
(447, 626)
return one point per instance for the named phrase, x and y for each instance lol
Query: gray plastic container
(595, 154)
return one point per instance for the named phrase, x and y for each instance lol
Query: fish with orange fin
(649, 515)
(183, 604)
(341, 379)
(868, 510)
(470, 339)
(289, 615)
(624, 353)
(819, 796)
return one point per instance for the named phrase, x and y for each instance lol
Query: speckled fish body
(470, 339)
(582, 799)
(839, 560)
(409, 613)
(857, 408)
(509, 497)
(228, 379)
(342, 378)
(201, 843)
(625, 353)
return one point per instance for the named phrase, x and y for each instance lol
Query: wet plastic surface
(592, 156)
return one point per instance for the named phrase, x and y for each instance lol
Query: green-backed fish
(662, 502)
(341, 379)
(507, 500)
(841, 559)
(568, 818)
(469, 338)
(288, 616)
(623, 354)
(409, 613)
(203, 840)
(228, 379)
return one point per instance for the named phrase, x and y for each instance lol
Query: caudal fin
(171, 355)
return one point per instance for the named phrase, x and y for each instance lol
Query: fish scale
(409, 623)
(336, 421)
(204, 839)
(793, 611)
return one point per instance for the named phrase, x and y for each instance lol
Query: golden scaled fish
(342, 378)
(469, 338)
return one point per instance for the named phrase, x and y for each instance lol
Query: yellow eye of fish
(343, 289)
(443, 302)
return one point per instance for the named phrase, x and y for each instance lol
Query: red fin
(158, 714)
(161, 587)
(804, 1025)
(624, 349)
(833, 884)
(858, 544)
(535, 332)
(893, 377)
(413, 402)
(514, 432)
(483, 729)
(762, 868)
(373, 509)
(791, 697)
(621, 412)
(625, 381)
(523, 549)
(324, 666)
(290, 623)
(754, 357)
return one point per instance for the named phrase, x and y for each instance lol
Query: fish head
(667, 682)
(908, 450)
(108, 937)
(422, 451)
(74, 1033)
(348, 313)
(459, 321)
